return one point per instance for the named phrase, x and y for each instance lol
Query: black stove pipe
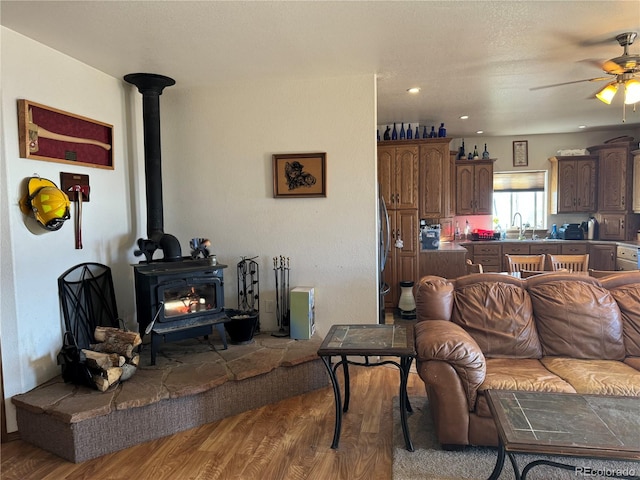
(151, 85)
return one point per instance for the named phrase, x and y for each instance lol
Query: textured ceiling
(473, 58)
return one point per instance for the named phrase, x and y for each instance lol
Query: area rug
(430, 462)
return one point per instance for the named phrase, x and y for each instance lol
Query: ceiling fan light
(607, 93)
(631, 91)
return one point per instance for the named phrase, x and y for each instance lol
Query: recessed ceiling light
(464, 117)
(480, 131)
(582, 126)
(414, 90)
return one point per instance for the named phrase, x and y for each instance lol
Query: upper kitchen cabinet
(474, 187)
(636, 181)
(615, 171)
(398, 175)
(615, 189)
(573, 184)
(434, 180)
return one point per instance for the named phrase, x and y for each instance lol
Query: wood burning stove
(176, 297)
(178, 300)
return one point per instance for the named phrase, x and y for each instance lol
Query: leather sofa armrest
(445, 341)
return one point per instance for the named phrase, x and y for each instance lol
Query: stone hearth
(193, 382)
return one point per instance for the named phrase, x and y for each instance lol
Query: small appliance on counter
(430, 236)
(571, 231)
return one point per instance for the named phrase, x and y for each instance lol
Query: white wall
(217, 158)
(30, 322)
(217, 147)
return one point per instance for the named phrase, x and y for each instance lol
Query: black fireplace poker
(151, 85)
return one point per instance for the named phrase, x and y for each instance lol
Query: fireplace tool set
(281, 270)
(245, 321)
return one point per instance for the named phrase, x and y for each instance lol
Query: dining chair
(517, 263)
(474, 267)
(572, 263)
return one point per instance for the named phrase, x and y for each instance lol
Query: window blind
(519, 181)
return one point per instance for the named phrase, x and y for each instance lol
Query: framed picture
(520, 153)
(54, 135)
(300, 175)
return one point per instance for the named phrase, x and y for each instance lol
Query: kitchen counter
(445, 247)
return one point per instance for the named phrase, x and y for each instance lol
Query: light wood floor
(287, 440)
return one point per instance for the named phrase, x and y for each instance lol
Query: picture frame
(53, 135)
(299, 175)
(520, 153)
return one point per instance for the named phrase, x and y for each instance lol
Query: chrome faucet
(520, 229)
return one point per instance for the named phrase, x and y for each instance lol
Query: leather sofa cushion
(628, 299)
(601, 377)
(445, 341)
(499, 317)
(577, 319)
(633, 362)
(434, 298)
(518, 374)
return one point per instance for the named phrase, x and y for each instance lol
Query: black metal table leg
(499, 463)
(347, 390)
(405, 365)
(338, 401)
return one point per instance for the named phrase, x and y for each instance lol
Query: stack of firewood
(112, 359)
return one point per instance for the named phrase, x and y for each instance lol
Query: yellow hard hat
(49, 204)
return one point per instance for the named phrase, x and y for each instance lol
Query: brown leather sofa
(553, 332)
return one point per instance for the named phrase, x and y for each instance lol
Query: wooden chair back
(474, 267)
(517, 263)
(572, 263)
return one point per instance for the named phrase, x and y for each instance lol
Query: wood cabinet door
(483, 202)
(602, 257)
(612, 226)
(464, 189)
(433, 167)
(585, 187)
(406, 177)
(612, 190)
(636, 183)
(566, 186)
(386, 175)
(402, 263)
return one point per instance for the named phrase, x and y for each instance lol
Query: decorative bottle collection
(410, 134)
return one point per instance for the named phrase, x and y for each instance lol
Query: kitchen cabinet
(614, 190)
(398, 176)
(489, 255)
(434, 179)
(627, 257)
(572, 184)
(636, 181)
(402, 262)
(602, 256)
(474, 187)
(414, 176)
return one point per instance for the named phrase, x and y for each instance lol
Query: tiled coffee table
(596, 426)
(368, 341)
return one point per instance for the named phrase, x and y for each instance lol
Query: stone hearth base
(194, 382)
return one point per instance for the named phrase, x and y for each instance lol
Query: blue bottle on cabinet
(417, 135)
(442, 132)
(402, 131)
(394, 133)
(424, 132)
(433, 132)
(409, 133)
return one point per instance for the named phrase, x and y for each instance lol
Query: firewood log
(107, 334)
(102, 361)
(113, 346)
(135, 360)
(101, 383)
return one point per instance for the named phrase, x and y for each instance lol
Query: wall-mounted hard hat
(48, 204)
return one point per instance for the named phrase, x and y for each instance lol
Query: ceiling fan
(625, 69)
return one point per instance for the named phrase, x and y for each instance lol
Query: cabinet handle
(623, 200)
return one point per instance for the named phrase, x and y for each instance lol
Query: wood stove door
(188, 298)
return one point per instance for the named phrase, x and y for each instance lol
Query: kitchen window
(520, 192)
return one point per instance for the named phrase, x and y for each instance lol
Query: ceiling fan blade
(598, 79)
(612, 67)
